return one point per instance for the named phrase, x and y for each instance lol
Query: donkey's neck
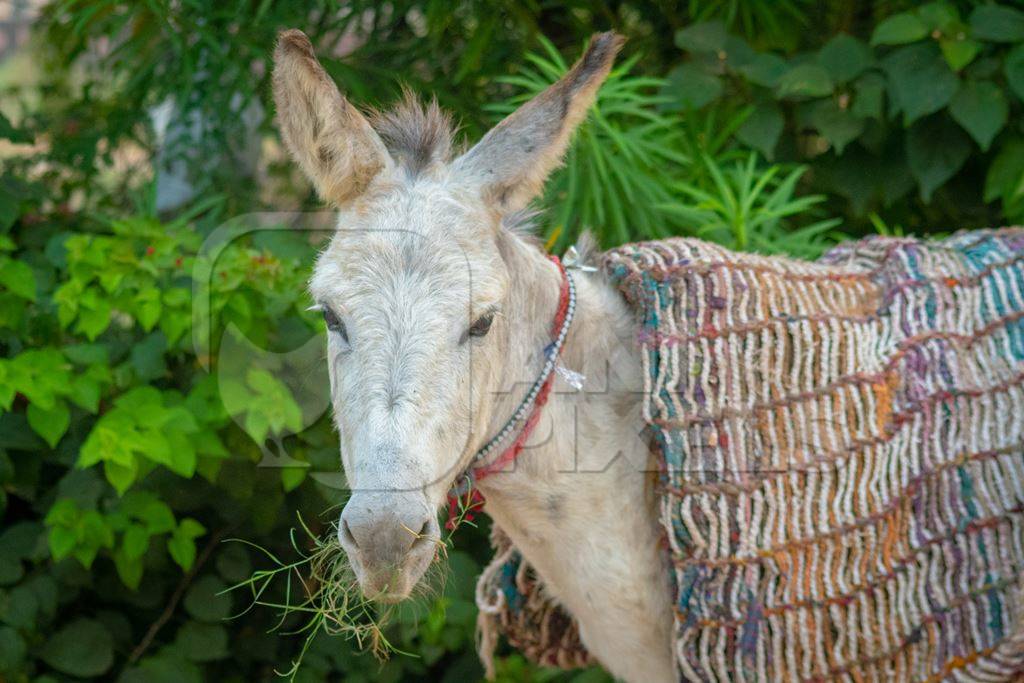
(578, 502)
(576, 428)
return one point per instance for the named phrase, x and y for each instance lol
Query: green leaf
(182, 545)
(11, 570)
(85, 393)
(936, 149)
(761, 130)
(981, 108)
(233, 563)
(959, 51)
(1014, 68)
(40, 374)
(46, 591)
(899, 29)
(157, 516)
(712, 38)
(121, 477)
(166, 667)
(182, 460)
(691, 86)
(62, 541)
(1005, 177)
(868, 96)
(93, 532)
(939, 16)
(805, 80)
(182, 550)
(148, 356)
(87, 354)
(274, 407)
(52, 423)
(135, 541)
(921, 81)
(206, 601)
(20, 608)
(190, 528)
(997, 23)
(12, 650)
(844, 58)
(148, 308)
(203, 642)
(838, 126)
(706, 36)
(18, 277)
(130, 569)
(63, 512)
(291, 477)
(765, 69)
(83, 648)
(93, 314)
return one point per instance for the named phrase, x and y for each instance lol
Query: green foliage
(748, 209)
(135, 438)
(917, 95)
(83, 648)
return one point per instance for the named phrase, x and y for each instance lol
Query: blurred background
(129, 131)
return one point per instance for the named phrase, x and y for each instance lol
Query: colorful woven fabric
(513, 603)
(843, 451)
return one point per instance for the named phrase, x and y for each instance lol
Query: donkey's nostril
(346, 534)
(380, 530)
(425, 535)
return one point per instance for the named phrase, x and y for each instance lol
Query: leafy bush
(138, 436)
(918, 103)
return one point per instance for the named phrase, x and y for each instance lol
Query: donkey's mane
(418, 136)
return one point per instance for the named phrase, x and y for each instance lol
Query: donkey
(438, 304)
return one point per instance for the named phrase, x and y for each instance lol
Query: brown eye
(482, 325)
(334, 324)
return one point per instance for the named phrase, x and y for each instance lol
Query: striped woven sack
(843, 461)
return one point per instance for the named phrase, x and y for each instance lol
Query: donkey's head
(412, 287)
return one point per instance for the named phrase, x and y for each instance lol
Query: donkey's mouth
(393, 585)
(389, 598)
(392, 582)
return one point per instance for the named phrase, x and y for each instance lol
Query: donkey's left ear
(330, 139)
(511, 162)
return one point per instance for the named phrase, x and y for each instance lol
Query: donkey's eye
(482, 325)
(334, 324)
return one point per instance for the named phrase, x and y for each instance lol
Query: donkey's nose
(383, 528)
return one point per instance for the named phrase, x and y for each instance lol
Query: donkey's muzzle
(390, 539)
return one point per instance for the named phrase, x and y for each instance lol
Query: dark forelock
(418, 136)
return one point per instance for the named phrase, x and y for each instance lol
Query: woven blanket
(843, 461)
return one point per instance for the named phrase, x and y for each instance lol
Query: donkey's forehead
(432, 240)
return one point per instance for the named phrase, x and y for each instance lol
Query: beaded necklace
(465, 498)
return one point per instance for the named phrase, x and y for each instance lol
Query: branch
(183, 585)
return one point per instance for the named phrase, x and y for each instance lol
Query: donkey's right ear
(332, 142)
